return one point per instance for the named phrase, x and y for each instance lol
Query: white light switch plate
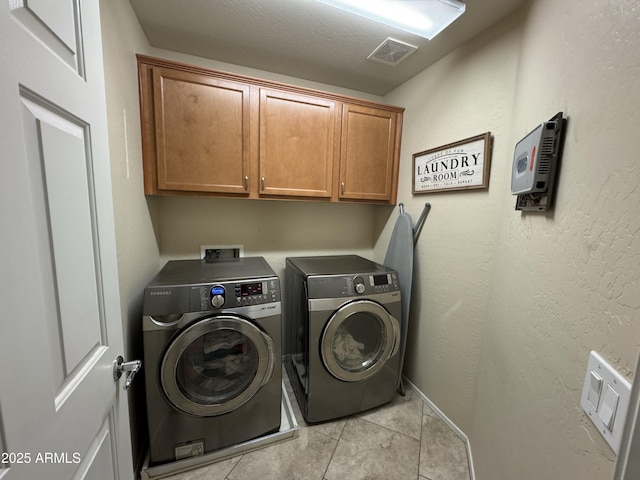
(611, 381)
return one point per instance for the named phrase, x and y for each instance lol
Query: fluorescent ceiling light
(425, 18)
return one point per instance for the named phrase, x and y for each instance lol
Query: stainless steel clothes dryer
(342, 330)
(212, 355)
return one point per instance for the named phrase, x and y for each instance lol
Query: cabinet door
(297, 144)
(202, 132)
(368, 157)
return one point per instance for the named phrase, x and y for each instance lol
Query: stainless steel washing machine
(212, 355)
(342, 334)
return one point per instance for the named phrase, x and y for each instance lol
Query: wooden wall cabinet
(297, 144)
(370, 146)
(201, 133)
(206, 132)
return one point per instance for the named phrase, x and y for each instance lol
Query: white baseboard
(447, 421)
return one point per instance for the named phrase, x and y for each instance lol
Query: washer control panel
(234, 294)
(255, 293)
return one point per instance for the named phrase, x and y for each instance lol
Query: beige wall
(138, 253)
(508, 304)
(273, 229)
(468, 93)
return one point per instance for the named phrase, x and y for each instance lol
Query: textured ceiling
(304, 38)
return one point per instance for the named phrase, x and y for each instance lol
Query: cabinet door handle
(246, 183)
(262, 183)
(342, 187)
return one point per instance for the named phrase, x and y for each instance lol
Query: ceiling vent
(392, 52)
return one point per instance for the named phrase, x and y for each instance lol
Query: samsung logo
(155, 293)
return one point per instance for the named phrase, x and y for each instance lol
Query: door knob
(131, 368)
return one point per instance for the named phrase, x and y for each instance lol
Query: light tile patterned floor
(403, 440)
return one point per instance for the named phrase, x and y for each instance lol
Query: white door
(62, 415)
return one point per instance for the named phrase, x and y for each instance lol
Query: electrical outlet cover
(213, 252)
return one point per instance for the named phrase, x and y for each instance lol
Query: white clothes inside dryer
(358, 342)
(347, 350)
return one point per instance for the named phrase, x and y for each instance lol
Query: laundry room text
(462, 165)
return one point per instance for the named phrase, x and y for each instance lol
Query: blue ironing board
(400, 257)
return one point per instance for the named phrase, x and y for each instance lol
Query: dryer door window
(216, 365)
(358, 339)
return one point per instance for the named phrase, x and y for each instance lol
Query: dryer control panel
(385, 282)
(336, 286)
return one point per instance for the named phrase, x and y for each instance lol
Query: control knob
(217, 296)
(359, 284)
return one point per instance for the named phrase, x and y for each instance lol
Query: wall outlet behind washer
(209, 253)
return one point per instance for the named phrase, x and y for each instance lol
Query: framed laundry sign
(457, 166)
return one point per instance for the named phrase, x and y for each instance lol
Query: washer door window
(216, 365)
(358, 339)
